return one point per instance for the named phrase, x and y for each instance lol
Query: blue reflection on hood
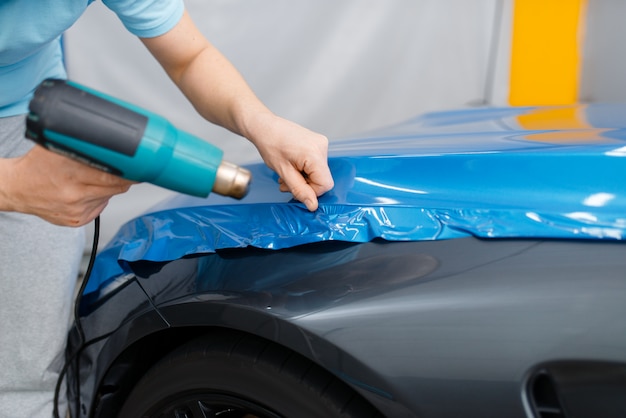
(554, 172)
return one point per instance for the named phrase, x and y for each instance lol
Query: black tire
(234, 375)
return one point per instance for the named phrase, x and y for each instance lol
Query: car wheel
(234, 375)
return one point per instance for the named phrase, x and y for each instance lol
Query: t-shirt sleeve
(147, 18)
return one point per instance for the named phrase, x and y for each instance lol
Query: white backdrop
(337, 67)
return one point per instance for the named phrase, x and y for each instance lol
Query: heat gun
(125, 140)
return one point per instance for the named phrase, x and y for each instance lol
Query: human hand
(221, 95)
(299, 157)
(55, 188)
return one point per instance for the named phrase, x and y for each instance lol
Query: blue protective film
(552, 172)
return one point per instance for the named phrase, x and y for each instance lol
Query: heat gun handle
(60, 112)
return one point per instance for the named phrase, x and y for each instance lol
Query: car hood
(540, 172)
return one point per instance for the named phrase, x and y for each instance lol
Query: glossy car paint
(458, 256)
(440, 176)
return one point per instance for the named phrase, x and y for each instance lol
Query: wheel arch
(132, 355)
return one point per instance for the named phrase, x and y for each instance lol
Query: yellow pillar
(545, 54)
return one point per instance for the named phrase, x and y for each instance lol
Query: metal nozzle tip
(232, 180)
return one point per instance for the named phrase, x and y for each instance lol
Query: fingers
(77, 216)
(60, 190)
(294, 182)
(298, 156)
(82, 201)
(308, 184)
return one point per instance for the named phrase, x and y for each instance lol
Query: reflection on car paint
(421, 180)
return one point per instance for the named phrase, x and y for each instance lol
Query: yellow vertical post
(545, 52)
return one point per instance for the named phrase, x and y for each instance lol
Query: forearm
(221, 95)
(211, 83)
(6, 174)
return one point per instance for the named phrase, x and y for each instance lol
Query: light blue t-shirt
(30, 39)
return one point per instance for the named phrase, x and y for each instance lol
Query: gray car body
(469, 326)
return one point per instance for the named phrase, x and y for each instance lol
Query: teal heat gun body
(128, 141)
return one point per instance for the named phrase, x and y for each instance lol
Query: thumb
(299, 188)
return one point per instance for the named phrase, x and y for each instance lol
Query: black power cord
(81, 334)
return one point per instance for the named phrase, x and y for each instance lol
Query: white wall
(338, 67)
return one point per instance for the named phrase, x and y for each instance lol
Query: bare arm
(65, 192)
(221, 95)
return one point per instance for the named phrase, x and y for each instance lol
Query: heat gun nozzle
(232, 180)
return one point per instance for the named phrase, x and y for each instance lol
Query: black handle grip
(65, 109)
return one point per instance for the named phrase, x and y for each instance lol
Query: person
(44, 197)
